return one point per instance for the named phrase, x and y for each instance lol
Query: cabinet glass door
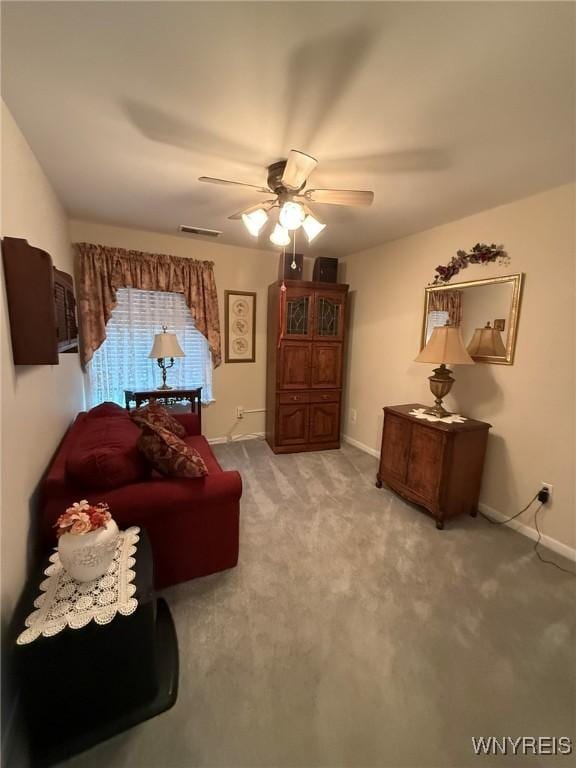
(328, 316)
(297, 314)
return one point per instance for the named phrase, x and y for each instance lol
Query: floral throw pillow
(170, 455)
(155, 415)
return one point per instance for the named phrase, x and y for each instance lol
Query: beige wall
(244, 269)
(531, 403)
(38, 402)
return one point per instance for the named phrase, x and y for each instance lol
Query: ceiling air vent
(199, 231)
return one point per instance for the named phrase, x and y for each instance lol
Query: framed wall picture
(240, 326)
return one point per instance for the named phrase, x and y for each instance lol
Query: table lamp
(445, 346)
(486, 342)
(165, 345)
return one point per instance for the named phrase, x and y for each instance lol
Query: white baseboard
(361, 446)
(531, 533)
(525, 530)
(235, 438)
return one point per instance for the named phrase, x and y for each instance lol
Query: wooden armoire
(306, 335)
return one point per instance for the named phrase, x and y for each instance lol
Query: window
(436, 319)
(122, 361)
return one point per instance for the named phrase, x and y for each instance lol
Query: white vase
(87, 556)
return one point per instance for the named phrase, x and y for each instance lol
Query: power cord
(508, 519)
(543, 495)
(543, 559)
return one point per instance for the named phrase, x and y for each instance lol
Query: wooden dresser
(433, 464)
(306, 330)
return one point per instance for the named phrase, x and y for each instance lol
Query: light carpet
(353, 633)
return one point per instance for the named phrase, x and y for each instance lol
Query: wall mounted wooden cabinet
(305, 359)
(41, 304)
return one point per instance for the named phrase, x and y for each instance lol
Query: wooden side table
(82, 686)
(168, 397)
(435, 464)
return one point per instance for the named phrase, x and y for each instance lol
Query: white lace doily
(454, 418)
(65, 602)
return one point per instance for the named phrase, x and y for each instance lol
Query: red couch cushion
(190, 422)
(107, 409)
(105, 454)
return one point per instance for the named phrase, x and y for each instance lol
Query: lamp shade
(255, 220)
(486, 342)
(280, 236)
(312, 227)
(165, 345)
(445, 346)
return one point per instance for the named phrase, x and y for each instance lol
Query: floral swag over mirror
(102, 270)
(480, 254)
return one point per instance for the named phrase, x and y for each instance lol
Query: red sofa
(193, 524)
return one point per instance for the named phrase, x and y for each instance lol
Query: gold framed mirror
(487, 312)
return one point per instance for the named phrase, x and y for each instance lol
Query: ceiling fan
(286, 181)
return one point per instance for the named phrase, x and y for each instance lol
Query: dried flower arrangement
(83, 517)
(480, 254)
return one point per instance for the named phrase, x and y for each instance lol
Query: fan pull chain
(282, 302)
(294, 265)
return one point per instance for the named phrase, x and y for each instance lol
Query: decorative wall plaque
(240, 326)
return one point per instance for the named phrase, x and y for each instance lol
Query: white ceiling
(442, 109)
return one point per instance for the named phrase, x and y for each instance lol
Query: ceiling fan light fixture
(312, 227)
(292, 215)
(280, 236)
(255, 220)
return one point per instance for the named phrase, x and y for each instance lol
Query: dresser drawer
(329, 396)
(293, 397)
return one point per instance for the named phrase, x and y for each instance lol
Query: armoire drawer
(293, 397)
(329, 396)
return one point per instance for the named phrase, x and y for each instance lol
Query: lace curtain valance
(102, 270)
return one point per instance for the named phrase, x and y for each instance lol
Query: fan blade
(298, 167)
(266, 205)
(339, 196)
(211, 180)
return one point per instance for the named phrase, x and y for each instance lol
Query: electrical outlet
(550, 489)
(353, 415)
(239, 411)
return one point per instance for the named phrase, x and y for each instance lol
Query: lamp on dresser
(445, 347)
(165, 345)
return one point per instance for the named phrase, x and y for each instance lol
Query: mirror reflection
(485, 310)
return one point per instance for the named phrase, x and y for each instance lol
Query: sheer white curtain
(122, 361)
(436, 319)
